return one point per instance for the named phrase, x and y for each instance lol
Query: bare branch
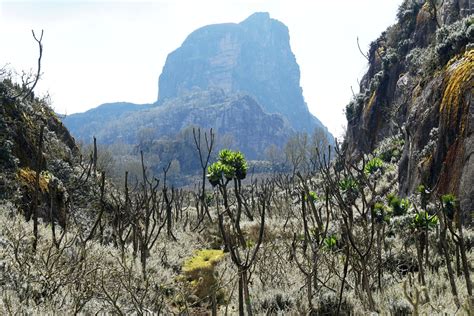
(360, 50)
(38, 73)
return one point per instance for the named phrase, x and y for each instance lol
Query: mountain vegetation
(379, 224)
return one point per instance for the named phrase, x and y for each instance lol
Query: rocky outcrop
(253, 57)
(21, 119)
(420, 84)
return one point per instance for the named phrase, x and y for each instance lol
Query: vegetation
(329, 233)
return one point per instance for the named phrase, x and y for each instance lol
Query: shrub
(399, 206)
(312, 196)
(354, 108)
(452, 38)
(373, 165)
(400, 307)
(330, 242)
(348, 184)
(423, 220)
(327, 305)
(350, 188)
(449, 205)
(277, 302)
(235, 160)
(380, 213)
(199, 271)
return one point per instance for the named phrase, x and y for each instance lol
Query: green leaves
(235, 163)
(399, 206)
(348, 185)
(423, 220)
(380, 213)
(449, 205)
(214, 173)
(373, 165)
(330, 242)
(312, 196)
(230, 165)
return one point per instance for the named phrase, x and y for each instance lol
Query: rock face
(21, 120)
(420, 84)
(237, 117)
(253, 57)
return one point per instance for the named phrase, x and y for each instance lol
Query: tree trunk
(420, 248)
(241, 292)
(247, 293)
(37, 187)
(465, 263)
(444, 247)
(366, 285)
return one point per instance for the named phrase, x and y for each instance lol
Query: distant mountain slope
(420, 85)
(252, 57)
(85, 125)
(239, 117)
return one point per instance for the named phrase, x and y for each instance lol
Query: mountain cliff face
(253, 57)
(420, 85)
(239, 117)
(242, 80)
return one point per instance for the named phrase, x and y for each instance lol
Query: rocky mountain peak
(257, 17)
(253, 57)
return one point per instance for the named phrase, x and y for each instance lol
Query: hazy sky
(106, 51)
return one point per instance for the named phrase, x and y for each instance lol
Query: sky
(106, 51)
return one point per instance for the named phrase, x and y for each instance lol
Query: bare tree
(204, 158)
(168, 200)
(29, 81)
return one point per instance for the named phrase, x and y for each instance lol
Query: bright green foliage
(230, 164)
(215, 172)
(373, 165)
(330, 242)
(312, 196)
(449, 205)
(348, 185)
(399, 206)
(423, 220)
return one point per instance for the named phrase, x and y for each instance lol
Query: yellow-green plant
(199, 272)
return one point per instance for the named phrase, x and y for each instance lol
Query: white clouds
(105, 51)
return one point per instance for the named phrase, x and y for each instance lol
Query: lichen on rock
(460, 77)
